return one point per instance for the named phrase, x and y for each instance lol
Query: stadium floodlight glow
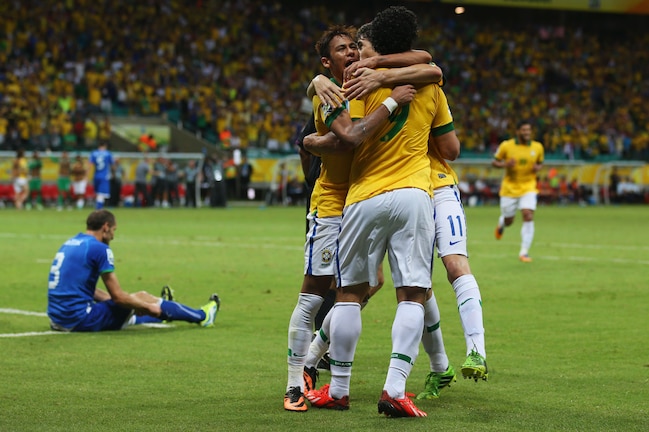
(459, 10)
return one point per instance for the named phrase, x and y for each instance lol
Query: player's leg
(174, 311)
(319, 252)
(362, 241)
(508, 207)
(410, 254)
(451, 230)
(527, 205)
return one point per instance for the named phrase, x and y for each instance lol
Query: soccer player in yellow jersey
(337, 49)
(451, 231)
(521, 158)
(388, 209)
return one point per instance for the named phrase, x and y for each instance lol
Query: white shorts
(509, 205)
(20, 185)
(79, 187)
(320, 245)
(399, 222)
(450, 222)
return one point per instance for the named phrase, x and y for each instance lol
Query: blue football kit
(73, 278)
(102, 160)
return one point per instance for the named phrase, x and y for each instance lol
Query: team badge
(327, 255)
(441, 175)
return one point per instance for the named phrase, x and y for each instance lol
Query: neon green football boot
(475, 366)
(435, 381)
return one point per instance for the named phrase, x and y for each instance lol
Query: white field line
(49, 332)
(22, 312)
(27, 334)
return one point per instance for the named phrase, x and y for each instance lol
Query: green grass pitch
(566, 335)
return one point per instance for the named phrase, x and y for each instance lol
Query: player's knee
(456, 266)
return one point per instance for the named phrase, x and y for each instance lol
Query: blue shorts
(102, 186)
(104, 315)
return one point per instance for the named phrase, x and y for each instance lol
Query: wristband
(390, 104)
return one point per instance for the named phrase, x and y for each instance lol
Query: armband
(390, 104)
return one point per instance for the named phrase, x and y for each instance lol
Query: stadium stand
(235, 72)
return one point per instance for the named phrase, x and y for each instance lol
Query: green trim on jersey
(441, 130)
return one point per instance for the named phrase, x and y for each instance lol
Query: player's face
(525, 133)
(108, 233)
(342, 52)
(365, 48)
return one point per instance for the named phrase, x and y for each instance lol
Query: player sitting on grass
(76, 304)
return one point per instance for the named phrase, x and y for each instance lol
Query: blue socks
(172, 311)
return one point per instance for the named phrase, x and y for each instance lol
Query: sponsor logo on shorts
(453, 243)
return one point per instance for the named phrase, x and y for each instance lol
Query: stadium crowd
(238, 70)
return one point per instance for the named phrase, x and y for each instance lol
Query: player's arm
(503, 163)
(101, 295)
(448, 145)
(395, 60)
(352, 133)
(367, 80)
(124, 299)
(539, 161)
(328, 92)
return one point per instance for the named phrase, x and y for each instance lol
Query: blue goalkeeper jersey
(73, 278)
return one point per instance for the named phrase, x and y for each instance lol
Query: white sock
(320, 344)
(300, 329)
(469, 305)
(406, 334)
(527, 235)
(501, 222)
(432, 337)
(345, 330)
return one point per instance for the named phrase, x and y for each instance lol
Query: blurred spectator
(159, 180)
(63, 181)
(190, 174)
(79, 181)
(245, 172)
(142, 196)
(19, 174)
(35, 182)
(171, 178)
(628, 192)
(116, 177)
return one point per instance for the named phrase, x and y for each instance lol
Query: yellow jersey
(330, 189)
(396, 156)
(441, 172)
(521, 178)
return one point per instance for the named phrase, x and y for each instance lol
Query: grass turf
(565, 334)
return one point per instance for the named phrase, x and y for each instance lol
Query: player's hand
(363, 82)
(403, 94)
(510, 163)
(328, 92)
(350, 71)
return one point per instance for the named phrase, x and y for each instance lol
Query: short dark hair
(98, 218)
(394, 30)
(322, 46)
(365, 32)
(522, 123)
